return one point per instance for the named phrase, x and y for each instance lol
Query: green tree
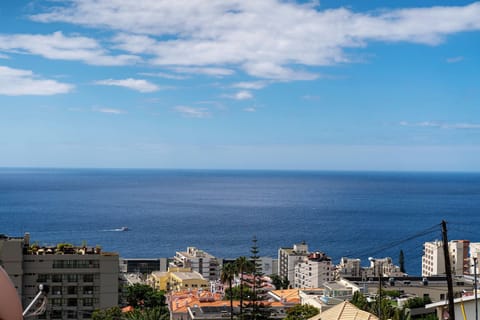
(242, 266)
(227, 276)
(279, 282)
(401, 261)
(144, 296)
(157, 313)
(301, 312)
(114, 313)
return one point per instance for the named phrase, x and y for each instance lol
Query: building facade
(433, 259)
(80, 279)
(198, 260)
(288, 258)
(313, 271)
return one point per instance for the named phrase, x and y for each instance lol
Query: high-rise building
(288, 258)
(433, 259)
(80, 279)
(198, 260)
(313, 271)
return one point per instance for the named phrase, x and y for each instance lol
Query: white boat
(123, 229)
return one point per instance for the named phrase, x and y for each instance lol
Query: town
(82, 281)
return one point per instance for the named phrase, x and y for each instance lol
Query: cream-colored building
(433, 259)
(198, 260)
(313, 271)
(288, 258)
(80, 279)
(349, 267)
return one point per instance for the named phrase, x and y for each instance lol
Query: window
(71, 314)
(56, 302)
(56, 314)
(88, 278)
(56, 278)
(56, 290)
(72, 277)
(72, 290)
(72, 302)
(42, 278)
(88, 290)
(88, 302)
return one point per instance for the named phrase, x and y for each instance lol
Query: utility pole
(476, 299)
(448, 271)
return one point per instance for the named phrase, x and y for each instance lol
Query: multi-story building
(433, 259)
(198, 260)
(382, 267)
(349, 267)
(288, 258)
(80, 279)
(143, 265)
(176, 279)
(474, 254)
(313, 271)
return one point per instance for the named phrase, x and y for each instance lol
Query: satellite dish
(10, 306)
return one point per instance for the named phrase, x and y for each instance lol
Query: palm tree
(227, 276)
(242, 265)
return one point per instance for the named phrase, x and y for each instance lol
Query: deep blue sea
(353, 214)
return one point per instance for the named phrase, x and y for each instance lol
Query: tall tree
(242, 266)
(401, 261)
(227, 276)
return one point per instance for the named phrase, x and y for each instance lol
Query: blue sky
(328, 85)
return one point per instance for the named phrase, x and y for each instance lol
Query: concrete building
(433, 261)
(383, 267)
(313, 271)
(288, 258)
(474, 253)
(143, 265)
(198, 260)
(349, 267)
(80, 279)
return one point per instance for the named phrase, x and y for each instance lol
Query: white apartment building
(313, 271)
(433, 261)
(80, 279)
(474, 253)
(383, 267)
(198, 260)
(288, 258)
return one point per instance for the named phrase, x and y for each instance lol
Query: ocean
(351, 214)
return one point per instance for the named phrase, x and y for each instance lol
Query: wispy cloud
(60, 47)
(109, 111)
(442, 125)
(134, 84)
(455, 59)
(250, 109)
(18, 82)
(191, 112)
(242, 95)
(237, 34)
(4, 56)
(250, 85)
(164, 75)
(310, 97)
(217, 72)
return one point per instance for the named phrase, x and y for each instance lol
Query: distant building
(349, 267)
(313, 271)
(382, 267)
(433, 259)
(81, 279)
(198, 260)
(143, 265)
(288, 258)
(176, 279)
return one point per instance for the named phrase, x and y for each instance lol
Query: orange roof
(288, 295)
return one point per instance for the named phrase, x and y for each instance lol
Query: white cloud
(58, 46)
(252, 85)
(164, 75)
(250, 109)
(109, 110)
(191, 112)
(18, 82)
(242, 95)
(219, 72)
(239, 34)
(442, 125)
(455, 59)
(134, 84)
(4, 56)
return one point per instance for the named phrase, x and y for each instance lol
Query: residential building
(433, 259)
(349, 267)
(474, 253)
(288, 258)
(177, 279)
(313, 271)
(81, 279)
(143, 265)
(382, 267)
(198, 260)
